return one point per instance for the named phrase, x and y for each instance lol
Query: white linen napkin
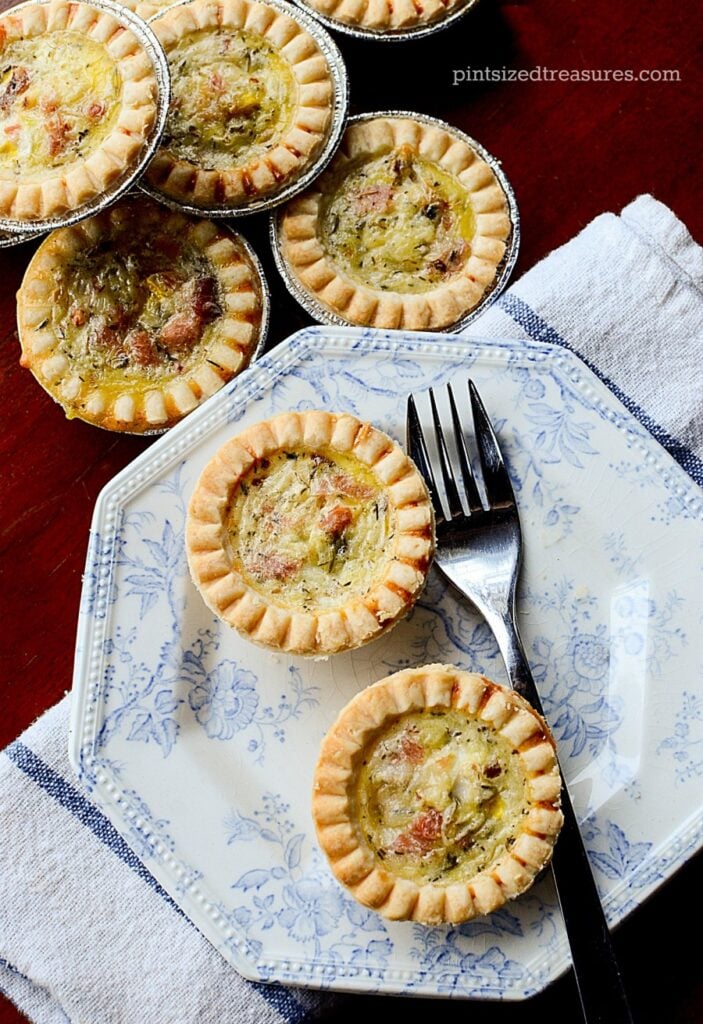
(86, 934)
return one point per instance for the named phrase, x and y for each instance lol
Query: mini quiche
(78, 101)
(251, 102)
(311, 532)
(437, 795)
(407, 227)
(133, 317)
(387, 17)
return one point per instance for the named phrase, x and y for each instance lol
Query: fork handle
(600, 987)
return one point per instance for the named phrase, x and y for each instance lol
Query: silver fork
(480, 553)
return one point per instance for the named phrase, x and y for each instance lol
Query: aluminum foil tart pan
(8, 239)
(340, 104)
(120, 186)
(258, 347)
(392, 35)
(323, 314)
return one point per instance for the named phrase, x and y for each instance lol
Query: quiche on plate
(437, 795)
(78, 101)
(133, 317)
(251, 105)
(311, 532)
(407, 228)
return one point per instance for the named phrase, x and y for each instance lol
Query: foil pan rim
(400, 35)
(155, 52)
(9, 238)
(326, 316)
(340, 106)
(265, 324)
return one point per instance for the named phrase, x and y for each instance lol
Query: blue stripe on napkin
(539, 330)
(88, 814)
(7, 966)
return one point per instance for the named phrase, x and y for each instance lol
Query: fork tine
(472, 495)
(499, 490)
(453, 499)
(419, 455)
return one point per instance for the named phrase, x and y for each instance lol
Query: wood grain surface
(571, 150)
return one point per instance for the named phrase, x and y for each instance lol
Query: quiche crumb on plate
(311, 532)
(437, 795)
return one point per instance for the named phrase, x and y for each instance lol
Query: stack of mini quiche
(137, 133)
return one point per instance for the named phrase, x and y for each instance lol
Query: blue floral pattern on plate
(200, 746)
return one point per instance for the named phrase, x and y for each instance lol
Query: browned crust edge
(386, 15)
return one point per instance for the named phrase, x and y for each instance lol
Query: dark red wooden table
(572, 149)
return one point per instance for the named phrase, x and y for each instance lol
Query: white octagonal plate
(200, 747)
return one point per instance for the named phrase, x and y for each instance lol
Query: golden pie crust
(387, 16)
(146, 9)
(251, 102)
(406, 228)
(437, 795)
(133, 317)
(311, 533)
(78, 100)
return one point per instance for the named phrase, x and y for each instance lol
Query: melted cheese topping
(309, 530)
(439, 796)
(133, 308)
(232, 98)
(398, 222)
(59, 99)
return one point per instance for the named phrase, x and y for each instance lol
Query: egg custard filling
(309, 529)
(233, 98)
(439, 796)
(134, 310)
(397, 221)
(60, 96)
